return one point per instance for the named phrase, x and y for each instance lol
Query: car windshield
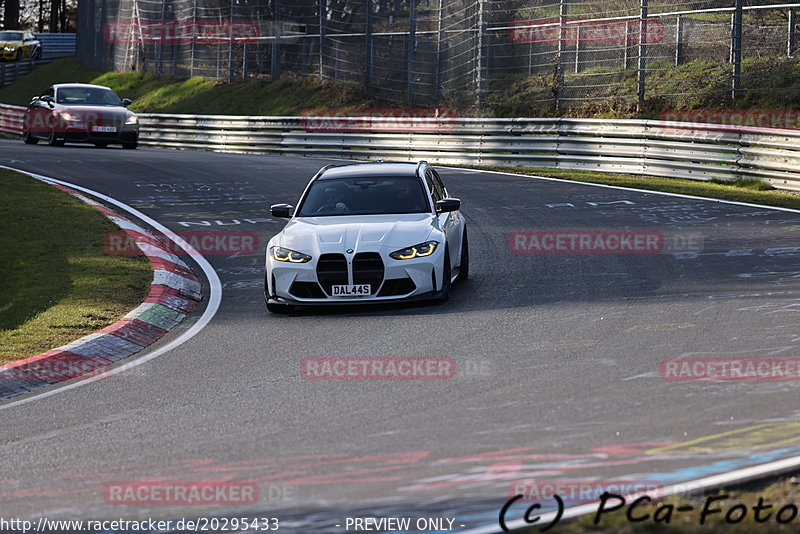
(364, 196)
(89, 96)
(10, 36)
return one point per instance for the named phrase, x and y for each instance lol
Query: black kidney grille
(368, 269)
(331, 270)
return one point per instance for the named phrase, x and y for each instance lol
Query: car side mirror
(48, 99)
(126, 102)
(283, 211)
(448, 204)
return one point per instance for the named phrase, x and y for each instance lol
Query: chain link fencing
(556, 55)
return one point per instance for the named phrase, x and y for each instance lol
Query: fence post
(276, 46)
(642, 63)
(231, 43)
(678, 40)
(194, 37)
(411, 45)
(562, 37)
(244, 61)
(368, 51)
(578, 31)
(790, 39)
(323, 8)
(736, 49)
(439, 55)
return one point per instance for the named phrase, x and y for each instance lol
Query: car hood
(98, 111)
(321, 235)
(10, 43)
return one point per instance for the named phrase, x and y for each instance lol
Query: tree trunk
(54, 4)
(11, 15)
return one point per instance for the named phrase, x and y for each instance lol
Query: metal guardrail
(657, 148)
(55, 45)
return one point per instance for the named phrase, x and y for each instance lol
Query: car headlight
(70, 117)
(132, 119)
(417, 251)
(10, 48)
(285, 254)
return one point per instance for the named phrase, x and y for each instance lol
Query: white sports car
(373, 232)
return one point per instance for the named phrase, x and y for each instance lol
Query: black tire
(28, 139)
(130, 146)
(101, 145)
(37, 53)
(447, 275)
(53, 140)
(463, 269)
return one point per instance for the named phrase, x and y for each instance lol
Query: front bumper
(301, 284)
(9, 54)
(126, 134)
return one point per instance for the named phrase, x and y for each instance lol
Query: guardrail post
(368, 44)
(736, 49)
(276, 47)
(790, 38)
(411, 46)
(642, 63)
(678, 40)
(562, 37)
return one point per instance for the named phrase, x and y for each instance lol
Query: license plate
(107, 129)
(357, 290)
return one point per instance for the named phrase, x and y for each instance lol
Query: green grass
(769, 82)
(57, 282)
(152, 94)
(783, 492)
(751, 191)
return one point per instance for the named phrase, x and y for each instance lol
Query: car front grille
(306, 290)
(397, 286)
(368, 269)
(331, 270)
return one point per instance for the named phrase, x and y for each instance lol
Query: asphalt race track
(558, 359)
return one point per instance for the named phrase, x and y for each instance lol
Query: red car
(80, 113)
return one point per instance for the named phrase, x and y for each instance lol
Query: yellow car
(19, 45)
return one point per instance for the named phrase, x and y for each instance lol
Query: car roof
(370, 170)
(62, 85)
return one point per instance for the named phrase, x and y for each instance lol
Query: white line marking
(679, 195)
(214, 299)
